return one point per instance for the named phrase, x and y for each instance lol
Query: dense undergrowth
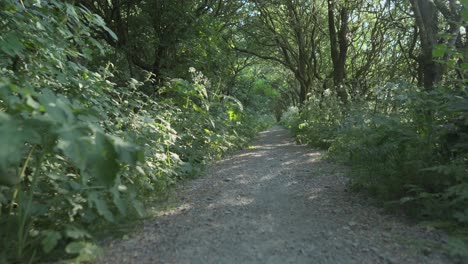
(77, 150)
(407, 148)
(95, 122)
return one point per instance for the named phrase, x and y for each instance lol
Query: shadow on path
(277, 202)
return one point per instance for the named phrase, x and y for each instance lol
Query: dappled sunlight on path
(276, 202)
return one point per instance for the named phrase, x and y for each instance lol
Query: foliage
(402, 127)
(103, 104)
(290, 117)
(317, 122)
(416, 154)
(408, 149)
(414, 145)
(77, 151)
(407, 146)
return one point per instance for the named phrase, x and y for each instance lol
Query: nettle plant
(60, 170)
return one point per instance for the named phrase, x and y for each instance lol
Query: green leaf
(101, 206)
(197, 109)
(127, 152)
(71, 12)
(464, 66)
(118, 202)
(74, 247)
(102, 163)
(439, 50)
(406, 199)
(75, 146)
(100, 22)
(465, 13)
(76, 233)
(58, 108)
(139, 208)
(12, 149)
(86, 251)
(10, 44)
(50, 240)
(111, 33)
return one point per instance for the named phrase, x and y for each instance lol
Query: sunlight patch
(291, 183)
(176, 211)
(268, 177)
(252, 154)
(232, 201)
(314, 193)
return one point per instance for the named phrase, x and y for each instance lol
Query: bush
(290, 117)
(407, 147)
(78, 152)
(317, 122)
(416, 154)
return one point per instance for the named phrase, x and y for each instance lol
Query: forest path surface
(276, 202)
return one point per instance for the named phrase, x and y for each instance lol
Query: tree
(152, 34)
(338, 31)
(429, 17)
(286, 32)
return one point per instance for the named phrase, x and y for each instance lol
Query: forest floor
(276, 202)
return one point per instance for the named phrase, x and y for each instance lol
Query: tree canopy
(104, 103)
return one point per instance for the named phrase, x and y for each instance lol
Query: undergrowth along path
(276, 202)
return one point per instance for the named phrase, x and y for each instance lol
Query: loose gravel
(276, 202)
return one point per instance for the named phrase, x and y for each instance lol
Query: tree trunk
(426, 16)
(339, 48)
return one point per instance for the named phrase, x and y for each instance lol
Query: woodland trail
(277, 202)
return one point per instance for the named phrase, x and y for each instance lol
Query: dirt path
(275, 203)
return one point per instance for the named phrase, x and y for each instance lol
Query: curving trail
(275, 203)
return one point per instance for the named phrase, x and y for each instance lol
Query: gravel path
(275, 203)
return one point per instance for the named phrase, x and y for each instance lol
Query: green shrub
(415, 154)
(407, 147)
(317, 122)
(78, 152)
